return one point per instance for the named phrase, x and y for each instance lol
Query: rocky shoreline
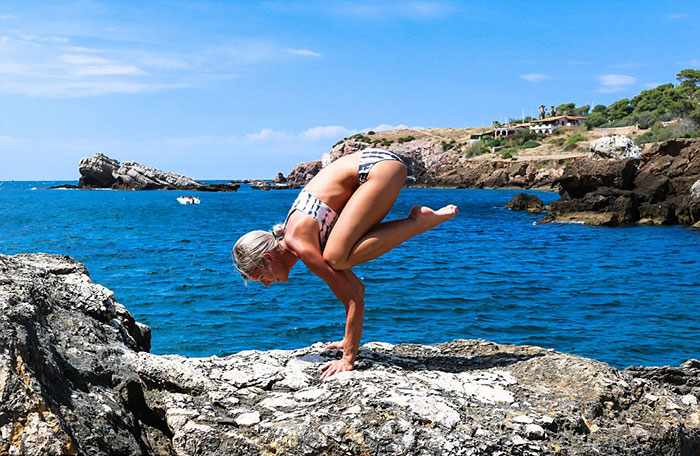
(614, 183)
(76, 378)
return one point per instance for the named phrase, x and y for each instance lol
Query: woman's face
(272, 271)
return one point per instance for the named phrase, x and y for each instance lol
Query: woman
(333, 225)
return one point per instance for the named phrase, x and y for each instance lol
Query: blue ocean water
(626, 296)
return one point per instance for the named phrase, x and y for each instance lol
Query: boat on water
(187, 200)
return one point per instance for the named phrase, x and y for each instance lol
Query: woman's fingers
(333, 367)
(335, 345)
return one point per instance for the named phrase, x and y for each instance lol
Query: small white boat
(187, 200)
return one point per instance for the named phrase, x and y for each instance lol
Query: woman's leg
(358, 237)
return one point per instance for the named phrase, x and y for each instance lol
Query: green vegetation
(529, 144)
(572, 140)
(660, 104)
(371, 132)
(508, 152)
(448, 145)
(477, 148)
(404, 139)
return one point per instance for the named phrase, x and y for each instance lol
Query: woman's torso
(335, 184)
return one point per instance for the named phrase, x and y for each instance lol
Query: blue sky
(243, 89)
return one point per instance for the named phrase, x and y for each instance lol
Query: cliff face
(100, 171)
(76, 378)
(656, 187)
(429, 164)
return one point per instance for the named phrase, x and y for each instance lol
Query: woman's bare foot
(433, 218)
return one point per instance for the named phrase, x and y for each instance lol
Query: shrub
(644, 138)
(477, 148)
(406, 139)
(447, 146)
(573, 139)
(370, 132)
(508, 152)
(530, 144)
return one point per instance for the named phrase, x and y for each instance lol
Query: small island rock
(100, 171)
(526, 202)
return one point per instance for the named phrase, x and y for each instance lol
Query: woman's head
(254, 252)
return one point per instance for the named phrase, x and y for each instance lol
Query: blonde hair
(248, 251)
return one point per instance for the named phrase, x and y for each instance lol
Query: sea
(625, 296)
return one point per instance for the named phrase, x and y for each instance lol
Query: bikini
(326, 217)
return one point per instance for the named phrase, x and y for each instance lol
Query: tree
(566, 109)
(596, 119)
(689, 77)
(620, 109)
(601, 109)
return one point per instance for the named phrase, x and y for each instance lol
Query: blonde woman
(334, 224)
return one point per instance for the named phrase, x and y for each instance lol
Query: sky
(245, 89)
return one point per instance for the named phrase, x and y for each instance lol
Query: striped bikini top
(310, 205)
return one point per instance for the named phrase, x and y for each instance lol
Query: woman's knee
(336, 258)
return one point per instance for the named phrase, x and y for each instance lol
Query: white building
(549, 124)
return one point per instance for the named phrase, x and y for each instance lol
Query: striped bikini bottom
(371, 157)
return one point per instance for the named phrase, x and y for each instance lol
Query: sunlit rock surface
(76, 378)
(100, 171)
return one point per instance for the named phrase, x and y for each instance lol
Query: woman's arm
(351, 292)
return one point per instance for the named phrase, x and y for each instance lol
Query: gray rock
(615, 147)
(100, 171)
(76, 378)
(695, 192)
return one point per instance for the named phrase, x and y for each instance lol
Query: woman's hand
(333, 367)
(335, 345)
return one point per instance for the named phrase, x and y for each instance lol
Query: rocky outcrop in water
(525, 202)
(76, 378)
(100, 171)
(304, 172)
(655, 189)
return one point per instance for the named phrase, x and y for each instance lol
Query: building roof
(552, 119)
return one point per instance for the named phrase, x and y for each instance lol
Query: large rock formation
(429, 164)
(655, 189)
(304, 172)
(617, 147)
(76, 378)
(100, 171)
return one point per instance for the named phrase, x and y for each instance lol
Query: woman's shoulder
(301, 232)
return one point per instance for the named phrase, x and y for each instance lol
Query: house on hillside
(506, 131)
(549, 124)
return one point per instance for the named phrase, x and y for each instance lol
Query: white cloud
(304, 52)
(84, 60)
(676, 16)
(324, 132)
(535, 77)
(393, 10)
(611, 83)
(266, 134)
(54, 66)
(616, 79)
